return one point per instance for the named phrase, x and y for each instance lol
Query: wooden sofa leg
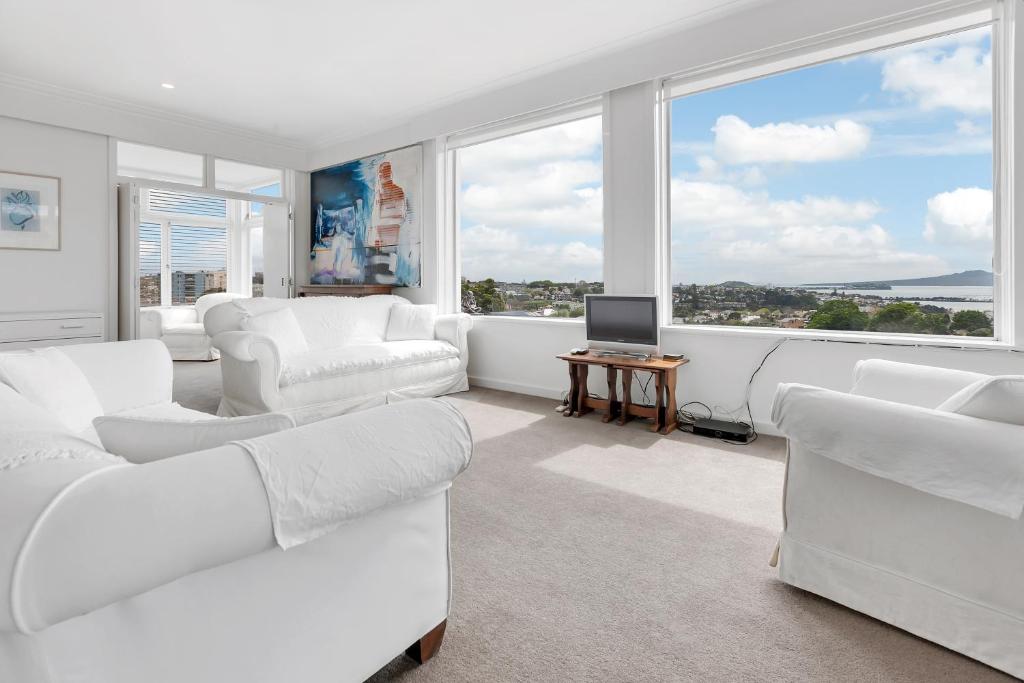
(427, 646)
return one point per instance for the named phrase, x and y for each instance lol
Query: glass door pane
(198, 262)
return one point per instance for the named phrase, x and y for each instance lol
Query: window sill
(941, 341)
(528, 320)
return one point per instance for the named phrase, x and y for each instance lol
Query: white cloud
(710, 169)
(737, 142)
(715, 206)
(963, 215)
(721, 232)
(968, 127)
(506, 255)
(953, 73)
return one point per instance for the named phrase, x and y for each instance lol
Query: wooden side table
(663, 412)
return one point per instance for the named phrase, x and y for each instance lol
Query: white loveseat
(349, 364)
(181, 329)
(901, 505)
(168, 571)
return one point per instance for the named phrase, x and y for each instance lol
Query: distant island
(968, 278)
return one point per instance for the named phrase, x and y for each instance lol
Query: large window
(529, 212)
(856, 194)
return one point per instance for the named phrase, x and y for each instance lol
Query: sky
(873, 167)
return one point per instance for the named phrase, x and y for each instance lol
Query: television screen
(623, 319)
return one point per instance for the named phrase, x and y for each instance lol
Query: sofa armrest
(121, 531)
(124, 530)
(919, 385)
(454, 328)
(166, 317)
(963, 458)
(250, 370)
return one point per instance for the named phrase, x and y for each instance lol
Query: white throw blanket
(966, 459)
(319, 476)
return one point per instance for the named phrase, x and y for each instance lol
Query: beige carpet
(589, 552)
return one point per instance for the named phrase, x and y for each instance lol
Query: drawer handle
(71, 327)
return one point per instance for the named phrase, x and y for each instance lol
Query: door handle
(71, 327)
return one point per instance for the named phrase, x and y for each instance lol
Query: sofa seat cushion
(352, 360)
(186, 328)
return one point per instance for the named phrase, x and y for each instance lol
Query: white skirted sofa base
(349, 364)
(181, 329)
(906, 512)
(169, 571)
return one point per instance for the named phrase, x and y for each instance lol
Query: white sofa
(900, 509)
(168, 571)
(181, 329)
(348, 366)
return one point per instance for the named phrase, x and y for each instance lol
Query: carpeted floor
(591, 552)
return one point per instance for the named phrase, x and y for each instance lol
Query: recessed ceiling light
(169, 86)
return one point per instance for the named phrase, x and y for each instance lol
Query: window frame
(868, 38)
(449, 270)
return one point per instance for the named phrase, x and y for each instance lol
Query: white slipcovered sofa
(903, 501)
(168, 571)
(347, 362)
(181, 329)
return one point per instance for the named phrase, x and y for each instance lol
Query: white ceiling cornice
(70, 108)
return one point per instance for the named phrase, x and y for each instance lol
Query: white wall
(77, 276)
(519, 355)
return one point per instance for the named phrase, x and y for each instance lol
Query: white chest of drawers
(49, 328)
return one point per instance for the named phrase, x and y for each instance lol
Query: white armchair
(901, 509)
(181, 329)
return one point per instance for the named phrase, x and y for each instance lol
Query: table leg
(659, 390)
(573, 391)
(582, 392)
(671, 416)
(627, 395)
(612, 381)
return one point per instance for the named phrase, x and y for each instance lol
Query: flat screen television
(622, 319)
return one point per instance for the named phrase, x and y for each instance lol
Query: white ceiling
(317, 72)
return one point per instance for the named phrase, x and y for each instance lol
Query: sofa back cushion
(411, 322)
(917, 385)
(282, 327)
(330, 322)
(1000, 399)
(52, 381)
(145, 439)
(126, 374)
(30, 434)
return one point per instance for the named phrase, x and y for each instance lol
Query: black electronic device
(723, 429)
(622, 319)
(673, 356)
(579, 351)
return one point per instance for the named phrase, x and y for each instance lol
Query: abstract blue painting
(365, 220)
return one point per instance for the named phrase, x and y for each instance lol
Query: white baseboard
(516, 387)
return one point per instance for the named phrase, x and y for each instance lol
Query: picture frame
(30, 211)
(366, 220)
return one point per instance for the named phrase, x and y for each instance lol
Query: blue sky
(877, 166)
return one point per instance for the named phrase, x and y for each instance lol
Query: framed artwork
(366, 224)
(29, 211)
